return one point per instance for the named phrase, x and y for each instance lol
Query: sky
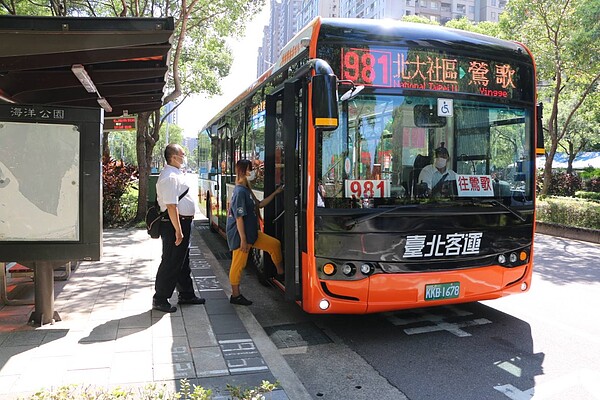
(196, 111)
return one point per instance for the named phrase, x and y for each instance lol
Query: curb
(569, 232)
(291, 385)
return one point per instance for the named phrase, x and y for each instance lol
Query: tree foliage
(583, 133)
(484, 27)
(563, 37)
(117, 176)
(419, 19)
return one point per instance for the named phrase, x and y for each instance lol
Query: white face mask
(184, 161)
(252, 175)
(440, 163)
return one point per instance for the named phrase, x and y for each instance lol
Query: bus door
(284, 160)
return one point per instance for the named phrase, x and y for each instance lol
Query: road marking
(439, 323)
(453, 328)
(589, 380)
(509, 367)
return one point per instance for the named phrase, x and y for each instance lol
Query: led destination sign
(428, 70)
(120, 123)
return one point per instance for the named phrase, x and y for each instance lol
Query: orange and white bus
(348, 117)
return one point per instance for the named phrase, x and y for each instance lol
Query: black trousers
(174, 269)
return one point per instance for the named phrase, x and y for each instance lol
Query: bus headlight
(367, 268)
(513, 259)
(348, 269)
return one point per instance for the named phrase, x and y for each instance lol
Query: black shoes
(241, 300)
(191, 300)
(168, 308)
(164, 307)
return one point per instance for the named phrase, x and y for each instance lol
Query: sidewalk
(109, 336)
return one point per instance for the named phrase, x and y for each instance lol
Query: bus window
(255, 143)
(383, 142)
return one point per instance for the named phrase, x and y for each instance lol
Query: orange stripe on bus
(326, 122)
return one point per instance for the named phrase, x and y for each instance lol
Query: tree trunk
(147, 135)
(105, 147)
(548, 168)
(143, 165)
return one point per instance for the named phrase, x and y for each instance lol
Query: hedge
(569, 211)
(594, 196)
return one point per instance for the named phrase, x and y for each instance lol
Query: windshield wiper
(355, 221)
(507, 208)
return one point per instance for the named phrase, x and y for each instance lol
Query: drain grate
(296, 335)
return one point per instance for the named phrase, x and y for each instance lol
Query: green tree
(175, 136)
(419, 19)
(583, 133)
(26, 7)
(563, 37)
(484, 27)
(199, 59)
(122, 146)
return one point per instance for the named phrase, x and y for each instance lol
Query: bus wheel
(257, 260)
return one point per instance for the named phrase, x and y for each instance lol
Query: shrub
(590, 173)
(117, 178)
(592, 185)
(150, 392)
(569, 211)
(561, 184)
(593, 196)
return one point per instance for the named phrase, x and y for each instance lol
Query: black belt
(182, 217)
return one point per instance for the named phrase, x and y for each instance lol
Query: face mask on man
(184, 162)
(440, 162)
(252, 175)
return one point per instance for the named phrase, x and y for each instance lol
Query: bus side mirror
(324, 101)
(540, 150)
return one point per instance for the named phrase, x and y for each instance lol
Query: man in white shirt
(174, 198)
(434, 175)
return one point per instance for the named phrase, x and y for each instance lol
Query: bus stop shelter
(118, 65)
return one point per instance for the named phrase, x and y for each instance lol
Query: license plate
(442, 291)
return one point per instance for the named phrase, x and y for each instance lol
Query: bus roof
(382, 32)
(400, 33)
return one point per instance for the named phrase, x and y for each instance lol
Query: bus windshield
(387, 149)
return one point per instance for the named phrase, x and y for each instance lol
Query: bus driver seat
(420, 163)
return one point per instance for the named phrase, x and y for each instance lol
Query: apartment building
(289, 16)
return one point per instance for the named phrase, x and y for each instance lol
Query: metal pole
(44, 293)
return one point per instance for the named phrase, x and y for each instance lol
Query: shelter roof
(126, 59)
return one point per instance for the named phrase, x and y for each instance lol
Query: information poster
(39, 182)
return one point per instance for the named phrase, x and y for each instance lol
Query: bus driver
(434, 175)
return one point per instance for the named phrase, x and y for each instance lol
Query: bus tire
(256, 260)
